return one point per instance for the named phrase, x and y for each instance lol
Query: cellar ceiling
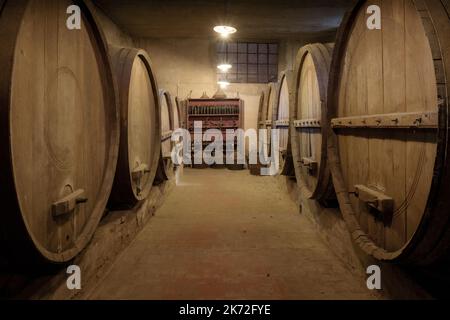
(254, 19)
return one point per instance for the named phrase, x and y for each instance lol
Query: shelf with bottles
(216, 109)
(214, 112)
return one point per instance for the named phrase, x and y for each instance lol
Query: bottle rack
(220, 114)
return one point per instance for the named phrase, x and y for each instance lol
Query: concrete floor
(227, 235)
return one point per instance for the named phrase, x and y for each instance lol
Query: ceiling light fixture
(225, 31)
(223, 84)
(224, 67)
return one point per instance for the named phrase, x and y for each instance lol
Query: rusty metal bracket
(68, 204)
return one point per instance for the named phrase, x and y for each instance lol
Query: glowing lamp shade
(224, 31)
(223, 84)
(224, 67)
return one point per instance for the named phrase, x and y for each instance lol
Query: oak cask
(388, 100)
(310, 121)
(281, 121)
(140, 137)
(166, 168)
(59, 131)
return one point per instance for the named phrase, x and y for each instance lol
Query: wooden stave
(165, 169)
(324, 189)
(269, 111)
(261, 109)
(122, 193)
(271, 102)
(178, 124)
(181, 115)
(20, 246)
(286, 165)
(431, 241)
(176, 114)
(255, 167)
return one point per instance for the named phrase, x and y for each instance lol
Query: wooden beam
(310, 164)
(284, 123)
(307, 123)
(375, 199)
(406, 120)
(166, 135)
(68, 204)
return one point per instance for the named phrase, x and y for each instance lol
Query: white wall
(187, 68)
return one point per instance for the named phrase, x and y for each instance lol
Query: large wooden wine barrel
(388, 151)
(281, 121)
(310, 123)
(59, 131)
(165, 167)
(140, 137)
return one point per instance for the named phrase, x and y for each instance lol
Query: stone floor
(228, 235)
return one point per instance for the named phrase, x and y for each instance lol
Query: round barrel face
(309, 106)
(387, 71)
(166, 126)
(63, 130)
(142, 118)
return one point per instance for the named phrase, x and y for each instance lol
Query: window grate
(252, 62)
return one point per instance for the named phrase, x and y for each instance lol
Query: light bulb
(225, 31)
(223, 84)
(224, 67)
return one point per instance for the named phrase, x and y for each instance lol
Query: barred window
(251, 62)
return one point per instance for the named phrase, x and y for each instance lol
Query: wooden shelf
(222, 121)
(214, 115)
